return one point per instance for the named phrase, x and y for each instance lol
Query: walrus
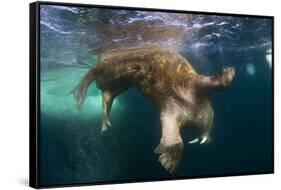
(182, 96)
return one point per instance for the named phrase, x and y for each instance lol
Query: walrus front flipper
(107, 100)
(218, 82)
(171, 145)
(224, 78)
(79, 92)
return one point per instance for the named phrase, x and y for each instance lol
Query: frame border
(34, 89)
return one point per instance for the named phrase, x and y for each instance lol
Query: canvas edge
(33, 95)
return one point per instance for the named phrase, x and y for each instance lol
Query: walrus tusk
(193, 141)
(204, 140)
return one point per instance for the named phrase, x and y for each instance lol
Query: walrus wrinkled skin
(181, 94)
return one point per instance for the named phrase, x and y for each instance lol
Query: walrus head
(197, 114)
(190, 109)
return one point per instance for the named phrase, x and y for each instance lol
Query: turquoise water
(72, 149)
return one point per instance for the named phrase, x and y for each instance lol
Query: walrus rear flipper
(79, 92)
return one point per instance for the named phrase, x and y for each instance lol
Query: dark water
(72, 149)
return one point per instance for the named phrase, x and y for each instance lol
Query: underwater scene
(115, 84)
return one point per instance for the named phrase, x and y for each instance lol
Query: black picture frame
(34, 91)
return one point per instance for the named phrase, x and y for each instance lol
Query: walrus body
(181, 94)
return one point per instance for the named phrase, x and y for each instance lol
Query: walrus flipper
(217, 82)
(171, 145)
(225, 77)
(107, 100)
(79, 92)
